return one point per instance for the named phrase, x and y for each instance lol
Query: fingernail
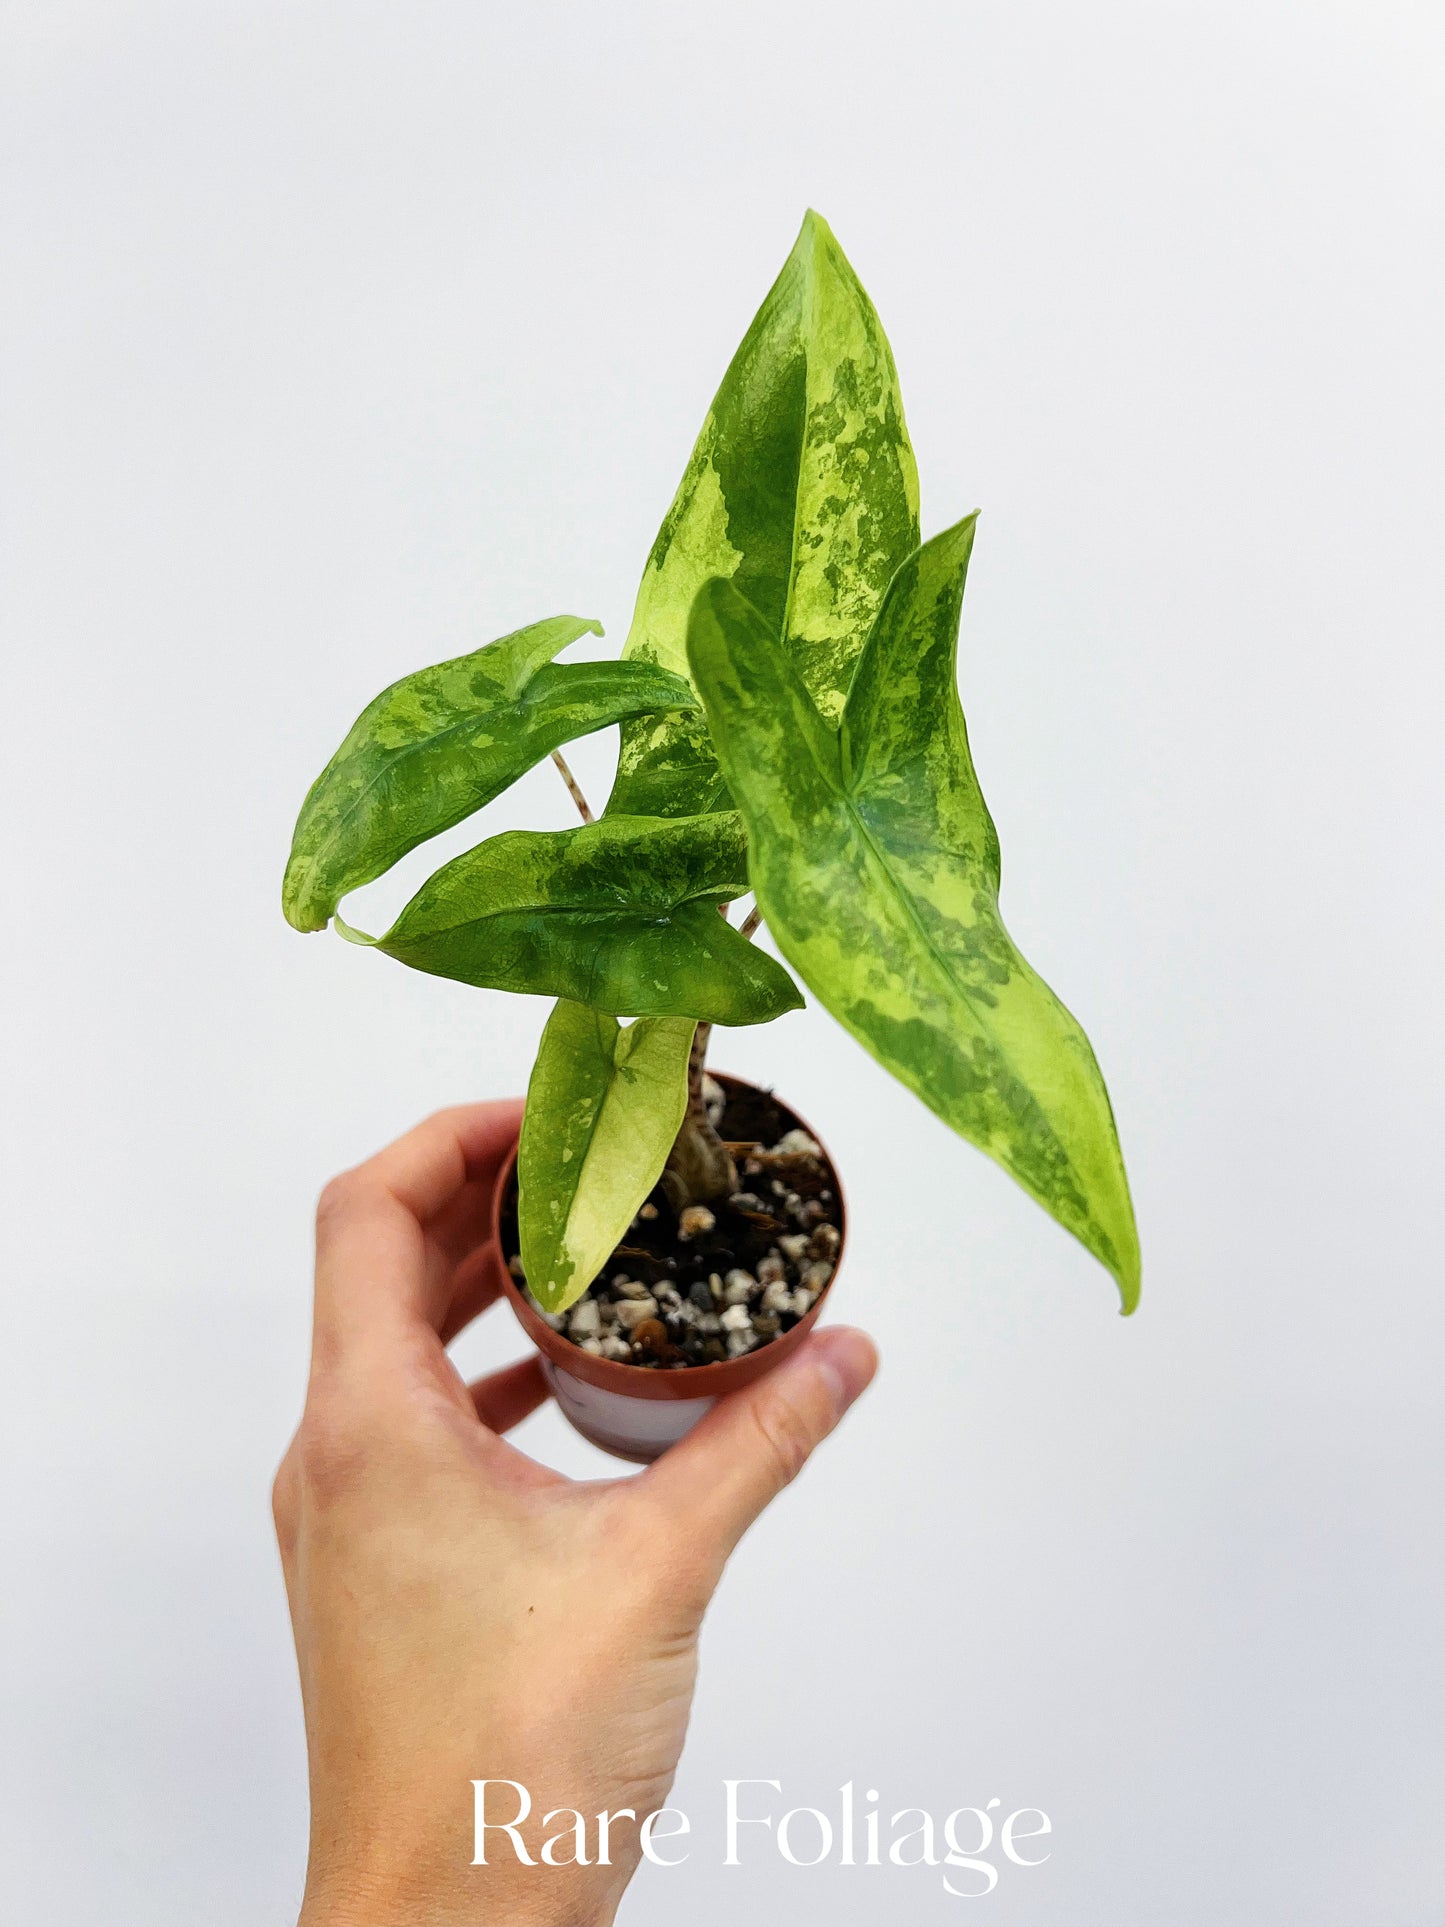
(845, 1359)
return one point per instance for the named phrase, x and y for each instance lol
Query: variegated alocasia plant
(790, 726)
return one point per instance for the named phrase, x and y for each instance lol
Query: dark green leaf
(876, 865)
(801, 489)
(441, 743)
(621, 915)
(603, 1107)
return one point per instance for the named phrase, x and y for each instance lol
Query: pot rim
(639, 1381)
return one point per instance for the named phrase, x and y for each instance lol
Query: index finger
(376, 1270)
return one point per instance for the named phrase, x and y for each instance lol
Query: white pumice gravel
(586, 1319)
(695, 1221)
(816, 1275)
(776, 1296)
(738, 1287)
(634, 1311)
(736, 1319)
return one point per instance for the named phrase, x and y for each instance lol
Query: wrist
(479, 1901)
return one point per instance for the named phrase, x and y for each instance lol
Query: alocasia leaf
(876, 865)
(441, 743)
(603, 1107)
(802, 489)
(621, 915)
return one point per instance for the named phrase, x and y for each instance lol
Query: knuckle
(332, 1450)
(337, 1200)
(785, 1435)
(283, 1500)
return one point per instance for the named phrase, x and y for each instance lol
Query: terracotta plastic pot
(633, 1411)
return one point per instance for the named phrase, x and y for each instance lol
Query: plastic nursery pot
(635, 1411)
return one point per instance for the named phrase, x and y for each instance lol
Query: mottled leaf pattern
(802, 489)
(603, 1107)
(441, 743)
(620, 914)
(876, 864)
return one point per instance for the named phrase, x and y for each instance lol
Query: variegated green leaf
(441, 743)
(621, 915)
(603, 1107)
(876, 865)
(802, 489)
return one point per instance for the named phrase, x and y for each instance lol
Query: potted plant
(790, 727)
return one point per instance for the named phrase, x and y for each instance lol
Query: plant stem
(573, 786)
(696, 1064)
(699, 1166)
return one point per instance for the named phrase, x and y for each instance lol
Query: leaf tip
(1129, 1280)
(814, 237)
(302, 915)
(300, 904)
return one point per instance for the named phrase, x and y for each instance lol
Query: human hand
(463, 1613)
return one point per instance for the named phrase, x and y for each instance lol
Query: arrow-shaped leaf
(441, 743)
(603, 1107)
(621, 915)
(876, 865)
(802, 489)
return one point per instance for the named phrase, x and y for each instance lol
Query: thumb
(736, 1460)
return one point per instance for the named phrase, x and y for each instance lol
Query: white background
(341, 338)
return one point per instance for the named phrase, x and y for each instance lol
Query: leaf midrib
(561, 1243)
(343, 819)
(878, 861)
(967, 998)
(658, 913)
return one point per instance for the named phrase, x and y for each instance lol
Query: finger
(376, 1270)
(426, 1169)
(476, 1283)
(465, 1223)
(503, 1399)
(714, 1483)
